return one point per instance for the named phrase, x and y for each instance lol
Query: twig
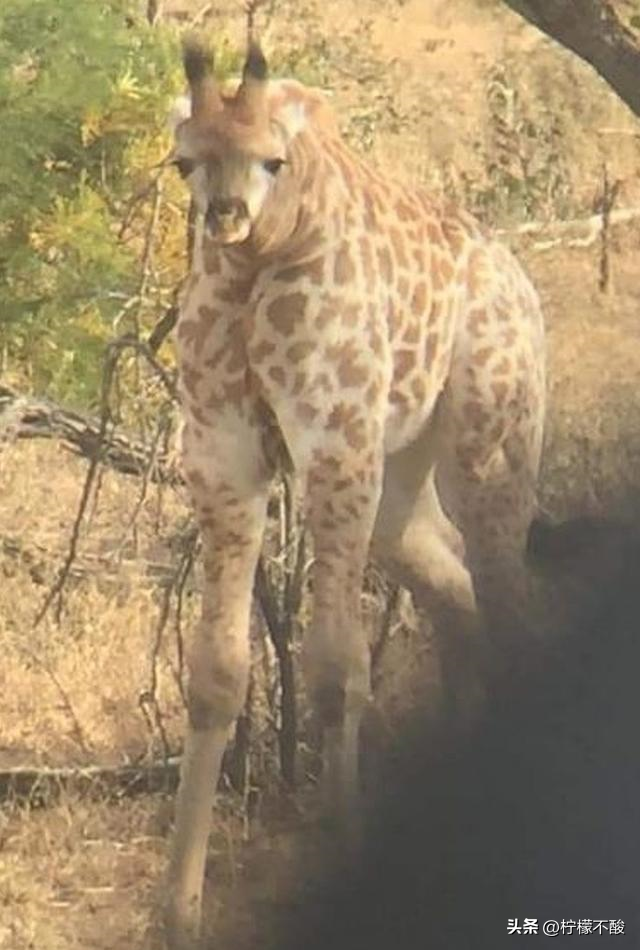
(609, 195)
(147, 249)
(30, 418)
(145, 272)
(148, 700)
(608, 130)
(76, 729)
(129, 341)
(136, 199)
(165, 324)
(380, 645)
(58, 585)
(200, 14)
(112, 355)
(146, 478)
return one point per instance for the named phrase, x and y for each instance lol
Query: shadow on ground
(533, 816)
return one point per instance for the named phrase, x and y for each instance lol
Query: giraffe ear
(295, 106)
(291, 116)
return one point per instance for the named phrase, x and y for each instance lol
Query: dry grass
(79, 876)
(592, 457)
(414, 93)
(101, 655)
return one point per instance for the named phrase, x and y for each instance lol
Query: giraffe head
(233, 149)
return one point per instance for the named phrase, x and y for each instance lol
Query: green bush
(84, 90)
(92, 238)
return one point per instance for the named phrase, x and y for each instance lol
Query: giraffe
(386, 350)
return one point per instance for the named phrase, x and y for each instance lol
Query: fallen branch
(585, 231)
(24, 417)
(42, 787)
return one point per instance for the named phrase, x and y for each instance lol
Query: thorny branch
(55, 593)
(164, 423)
(148, 700)
(113, 354)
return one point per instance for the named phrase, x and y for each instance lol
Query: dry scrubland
(460, 95)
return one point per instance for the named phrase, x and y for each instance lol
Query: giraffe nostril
(228, 207)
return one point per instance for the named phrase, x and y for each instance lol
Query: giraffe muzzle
(227, 219)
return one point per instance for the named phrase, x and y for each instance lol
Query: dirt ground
(458, 94)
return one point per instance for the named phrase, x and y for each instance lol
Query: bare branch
(29, 418)
(58, 586)
(112, 355)
(593, 30)
(148, 699)
(161, 428)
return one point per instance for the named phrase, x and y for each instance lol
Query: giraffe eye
(185, 166)
(273, 165)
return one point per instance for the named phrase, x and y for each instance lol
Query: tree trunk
(593, 30)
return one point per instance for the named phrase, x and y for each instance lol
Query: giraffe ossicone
(399, 351)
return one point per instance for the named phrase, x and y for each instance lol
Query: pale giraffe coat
(387, 351)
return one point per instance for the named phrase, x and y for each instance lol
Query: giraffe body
(400, 351)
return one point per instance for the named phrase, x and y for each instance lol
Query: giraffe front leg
(336, 657)
(218, 666)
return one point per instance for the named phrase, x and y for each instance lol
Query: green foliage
(92, 234)
(84, 90)
(526, 169)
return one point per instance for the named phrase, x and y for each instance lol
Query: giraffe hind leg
(490, 474)
(424, 550)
